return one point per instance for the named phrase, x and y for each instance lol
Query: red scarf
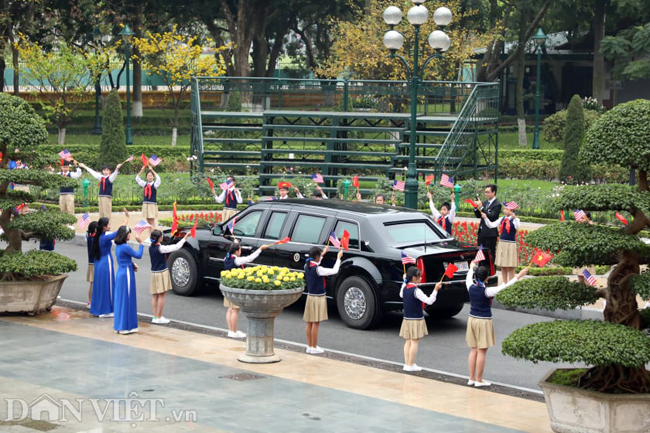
(102, 184)
(505, 225)
(443, 222)
(147, 190)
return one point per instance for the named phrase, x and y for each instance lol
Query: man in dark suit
(492, 208)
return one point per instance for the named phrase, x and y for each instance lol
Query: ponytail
(101, 227)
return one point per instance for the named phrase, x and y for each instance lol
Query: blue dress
(126, 306)
(104, 277)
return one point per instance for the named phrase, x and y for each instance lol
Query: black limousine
(371, 272)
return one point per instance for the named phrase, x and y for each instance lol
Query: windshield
(412, 233)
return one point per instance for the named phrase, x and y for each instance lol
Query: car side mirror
(217, 230)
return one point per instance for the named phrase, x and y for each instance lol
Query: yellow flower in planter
(258, 280)
(285, 279)
(240, 277)
(278, 283)
(301, 276)
(270, 272)
(265, 280)
(250, 279)
(292, 279)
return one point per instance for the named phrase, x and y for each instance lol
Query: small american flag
(446, 181)
(130, 158)
(154, 160)
(578, 214)
(141, 226)
(65, 154)
(231, 226)
(406, 259)
(398, 185)
(317, 178)
(225, 185)
(84, 220)
(589, 278)
(480, 256)
(334, 240)
(512, 205)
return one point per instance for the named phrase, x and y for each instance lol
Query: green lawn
(542, 185)
(183, 140)
(510, 140)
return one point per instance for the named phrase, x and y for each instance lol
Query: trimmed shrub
(112, 149)
(555, 124)
(573, 169)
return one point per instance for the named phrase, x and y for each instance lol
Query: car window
(274, 227)
(352, 228)
(247, 225)
(411, 232)
(307, 229)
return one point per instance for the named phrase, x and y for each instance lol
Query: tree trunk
(260, 53)
(599, 58)
(621, 304)
(174, 135)
(136, 106)
(14, 61)
(61, 135)
(519, 100)
(3, 66)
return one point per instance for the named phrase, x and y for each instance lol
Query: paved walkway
(66, 365)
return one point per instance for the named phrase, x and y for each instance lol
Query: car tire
(183, 272)
(446, 313)
(357, 303)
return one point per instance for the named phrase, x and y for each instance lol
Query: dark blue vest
(315, 283)
(89, 246)
(107, 190)
(479, 303)
(151, 199)
(158, 259)
(231, 200)
(447, 225)
(505, 236)
(229, 262)
(413, 308)
(66, 190)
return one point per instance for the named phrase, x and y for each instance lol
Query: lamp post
(394, 40)
(97, 130)
(539, 38)
(127, 34)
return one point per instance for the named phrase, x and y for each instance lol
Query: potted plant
(612, 394)
(29, 282)
(261, 292)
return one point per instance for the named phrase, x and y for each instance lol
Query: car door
(247, 230)
(273, 231)
(306, 230)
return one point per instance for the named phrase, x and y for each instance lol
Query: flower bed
(467, 232)
(263, 278)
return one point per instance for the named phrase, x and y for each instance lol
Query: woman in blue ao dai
(101, 303)
(126, 306)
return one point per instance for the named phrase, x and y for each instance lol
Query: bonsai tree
(21, 127)
(573, 168)
(112, 149)
(615, 350)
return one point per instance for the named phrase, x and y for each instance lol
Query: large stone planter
(574, 410)
(30, 297)
(261, 307)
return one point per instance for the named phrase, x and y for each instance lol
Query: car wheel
(445, 313)
(183, 273)
(357, 303)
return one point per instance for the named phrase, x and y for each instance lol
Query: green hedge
(35, 263)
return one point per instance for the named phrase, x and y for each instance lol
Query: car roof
(368, 209)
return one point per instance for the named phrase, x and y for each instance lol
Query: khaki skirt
(413, 329)
(160, 282)
(480, 333)
(227, 303)
(149, 210)
(315, 309)
(507, 255)
(90, 273)
(24, 188)
(105, 206)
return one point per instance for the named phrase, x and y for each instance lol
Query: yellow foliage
(359, 49)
